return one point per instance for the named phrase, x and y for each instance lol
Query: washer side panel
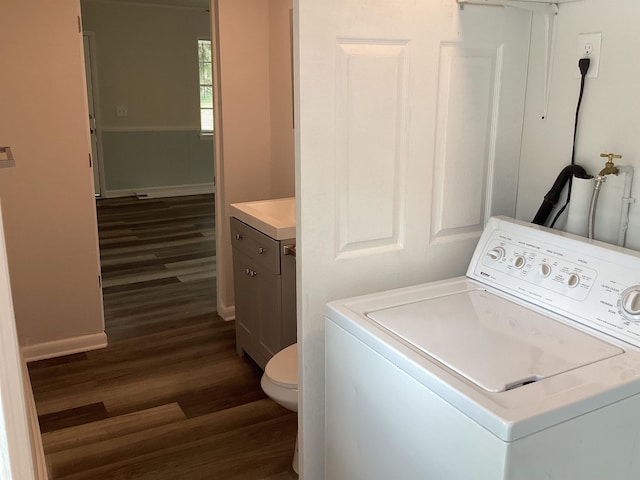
(381, 423)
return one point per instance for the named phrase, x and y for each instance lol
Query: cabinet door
(288, 275)
(258, 310)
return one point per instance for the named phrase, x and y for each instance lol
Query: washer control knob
(629, 303)
(496, 253)
(519, 261)
(544, 270)
(573, 280)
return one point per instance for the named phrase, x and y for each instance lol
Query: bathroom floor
(169, 398)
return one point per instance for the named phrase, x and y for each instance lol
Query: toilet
(280, 382)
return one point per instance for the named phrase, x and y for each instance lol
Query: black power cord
(583, 65)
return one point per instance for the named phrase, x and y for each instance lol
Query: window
(206, 86)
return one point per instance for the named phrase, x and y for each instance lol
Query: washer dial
(496, 253)
(544, 270)
(573, 280)
(629, 303)
(519, 261)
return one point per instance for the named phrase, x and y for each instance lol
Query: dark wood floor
(168, 398)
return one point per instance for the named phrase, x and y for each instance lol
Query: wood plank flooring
(169, 398)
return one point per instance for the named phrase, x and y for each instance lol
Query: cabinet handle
(253, 273)
(247, 271)
(239, 236)
(261, 250)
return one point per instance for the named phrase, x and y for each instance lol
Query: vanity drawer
(261, 248)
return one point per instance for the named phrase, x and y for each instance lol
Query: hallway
(168, 398)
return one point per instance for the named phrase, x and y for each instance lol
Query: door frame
(93, 101)
(21, 455)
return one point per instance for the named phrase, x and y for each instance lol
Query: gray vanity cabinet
(265, 305)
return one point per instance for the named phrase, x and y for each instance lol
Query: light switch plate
(6, 157)
(589, 47)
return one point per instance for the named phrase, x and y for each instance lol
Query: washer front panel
(586, 281)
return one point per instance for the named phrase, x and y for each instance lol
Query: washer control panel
(589, 282)
(539, 266)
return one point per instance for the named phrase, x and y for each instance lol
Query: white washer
(528, 368)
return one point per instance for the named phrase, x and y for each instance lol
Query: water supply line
(609, 169)
(627, 200)
(600, 179)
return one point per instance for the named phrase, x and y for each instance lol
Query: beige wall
(281, 97)
(256, 160)
(47, 198)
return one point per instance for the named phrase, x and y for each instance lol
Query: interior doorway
(155, 216)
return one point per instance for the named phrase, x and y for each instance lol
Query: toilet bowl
(280, 382)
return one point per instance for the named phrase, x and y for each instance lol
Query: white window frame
(205, 132)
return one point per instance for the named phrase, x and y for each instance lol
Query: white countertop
(276, 218)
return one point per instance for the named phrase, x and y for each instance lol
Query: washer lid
(493, 342)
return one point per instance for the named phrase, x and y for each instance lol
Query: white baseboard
(67, 346)
(161, 192)
(151, 128)
(227, 313)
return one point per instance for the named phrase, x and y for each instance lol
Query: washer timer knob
(496, 253)
(629, 303)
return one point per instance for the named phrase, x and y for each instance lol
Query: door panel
(464, 130)
(408, 139)
(371, 153)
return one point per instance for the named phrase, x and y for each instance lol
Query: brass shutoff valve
(609, 167)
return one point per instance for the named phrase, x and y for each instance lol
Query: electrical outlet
(122, 111)
(589, 47)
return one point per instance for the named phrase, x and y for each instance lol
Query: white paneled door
(408, 138)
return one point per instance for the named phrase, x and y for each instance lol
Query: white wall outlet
(589, 47)
(122, 111)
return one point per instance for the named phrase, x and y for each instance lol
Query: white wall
(147, 60)
(256, 160)
(48, 203)
(610, 109)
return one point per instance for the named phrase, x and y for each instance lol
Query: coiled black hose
(553, 195)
